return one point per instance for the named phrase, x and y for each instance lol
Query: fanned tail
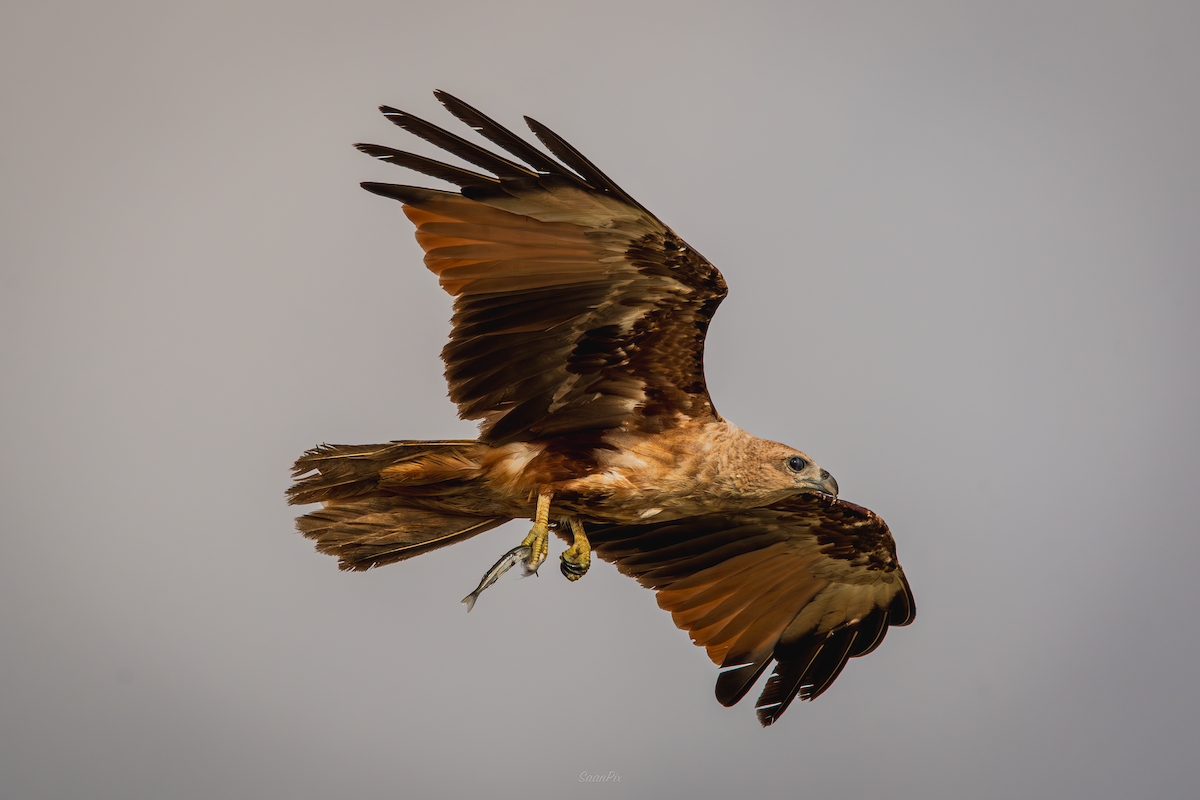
(342, 471)
(389, 502)
(382, 530)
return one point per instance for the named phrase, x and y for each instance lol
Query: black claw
(568, 569)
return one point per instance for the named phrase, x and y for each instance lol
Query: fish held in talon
(518, 555)
(577, 344)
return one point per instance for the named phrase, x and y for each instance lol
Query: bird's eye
(796, 464)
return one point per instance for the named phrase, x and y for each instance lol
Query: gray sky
(963, 241)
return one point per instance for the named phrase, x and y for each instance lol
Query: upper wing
(576, 308)
(808, 582)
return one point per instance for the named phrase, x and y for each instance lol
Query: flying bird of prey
(577, 343)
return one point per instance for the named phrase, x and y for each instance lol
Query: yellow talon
(538, 539)
(578, 557)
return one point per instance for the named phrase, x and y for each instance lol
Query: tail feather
(343, 471)
(389, 502)
(380, 530)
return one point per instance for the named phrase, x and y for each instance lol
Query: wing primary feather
(502, 136)
(405, 194)
(582, 164)
(733, 683)
(870, 633)
(427, 166)
(903, 609)
(486, 159)
(806, 676)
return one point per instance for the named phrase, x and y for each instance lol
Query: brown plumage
(806, 581)
(577, 343)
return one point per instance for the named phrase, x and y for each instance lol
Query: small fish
(507, 561)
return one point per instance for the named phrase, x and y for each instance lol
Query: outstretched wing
(808, 582)
(576, 309)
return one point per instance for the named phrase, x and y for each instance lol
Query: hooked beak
(825, 484)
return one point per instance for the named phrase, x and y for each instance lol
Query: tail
(389, 502)
(470, 599)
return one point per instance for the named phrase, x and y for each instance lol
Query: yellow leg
(578, 557)
(539, 536)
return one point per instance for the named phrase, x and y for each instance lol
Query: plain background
(962, 240)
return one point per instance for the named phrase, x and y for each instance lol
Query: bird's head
(807, 476)
(764, 472)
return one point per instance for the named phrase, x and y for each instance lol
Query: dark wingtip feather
(903, 609)
(804, 675)
(577, 161)
(733, 683)
(452, 143)
(427, 166)
(405, 194)
(498, 134)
